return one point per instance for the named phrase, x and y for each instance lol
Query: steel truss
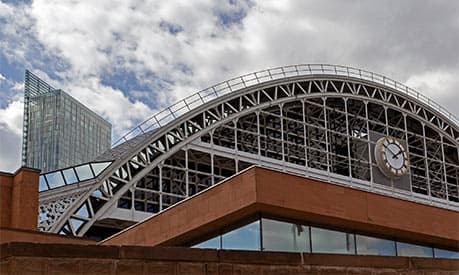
(321, 126)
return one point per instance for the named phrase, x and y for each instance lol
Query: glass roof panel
(70, 176)
(98, 167)
(55, 179)
(84, 172)
(42, 185)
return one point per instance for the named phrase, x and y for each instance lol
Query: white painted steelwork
(318, 121)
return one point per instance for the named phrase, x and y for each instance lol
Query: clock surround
(391, 157)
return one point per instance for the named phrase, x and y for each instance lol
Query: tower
(58, 130)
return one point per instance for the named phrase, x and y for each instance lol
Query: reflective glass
(447, 254)
(83, 211)
(244, 238)
(42, 186)
(412, 250)
(98, 167)
(330, 241)
(97, 193)
(76, 224)
(70, 176)
(55, 179)
(374, 246)
(284, 236)
(211, 243)
(84, 172)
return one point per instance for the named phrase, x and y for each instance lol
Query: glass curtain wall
(266, 234)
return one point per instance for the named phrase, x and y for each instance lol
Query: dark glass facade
(267, 234)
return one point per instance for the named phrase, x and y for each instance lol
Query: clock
(391, 157)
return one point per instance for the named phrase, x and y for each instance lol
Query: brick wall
(6, 190)
(19, 210)
(257, 190)
(19, 199)
(27, 258)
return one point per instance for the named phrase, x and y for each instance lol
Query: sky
(126, 60)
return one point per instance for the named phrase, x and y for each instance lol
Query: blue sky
(127, 60)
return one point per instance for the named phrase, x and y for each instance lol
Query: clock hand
(395, 156)
(392, 152)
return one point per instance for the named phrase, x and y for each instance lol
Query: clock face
(391, 157)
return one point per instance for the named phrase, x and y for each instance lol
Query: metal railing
(185, 105)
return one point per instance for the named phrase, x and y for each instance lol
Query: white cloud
(5, 9)
(110, 103)
(438, 85)
(11, 117)
(2, 78)
(10, 151)
(11, 133)
(175, 48)
(18, 86)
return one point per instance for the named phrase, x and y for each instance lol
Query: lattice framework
(315, 126)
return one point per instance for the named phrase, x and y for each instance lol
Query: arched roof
(162, 135)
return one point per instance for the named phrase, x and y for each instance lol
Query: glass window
(55, 179)
(42, 186)
(374, 246)
(284, 236)
(330, 241)
(98, 167)
(412, 250)
(244, 238)
(211, 243)
(70, 176)
(83, 211)
(76, 224)
(447, 254)
(84, 172)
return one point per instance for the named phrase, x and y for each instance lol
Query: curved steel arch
(175, 110)
(163, 142)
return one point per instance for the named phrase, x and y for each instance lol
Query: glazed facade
(269, 234)
(59, 131)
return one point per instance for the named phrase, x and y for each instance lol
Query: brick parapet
(19, 258)
(19, 199)
(8, 235)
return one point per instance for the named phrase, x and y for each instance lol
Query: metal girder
(281, 132)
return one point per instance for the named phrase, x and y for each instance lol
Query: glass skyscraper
(58, 130)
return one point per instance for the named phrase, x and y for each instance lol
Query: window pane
(374, 246)
(212, 243)
(55, 179)
(284, 236)
(412, 250)
(243, 238)
(70, 176)
(447, 254)
(98, 167)
(330, 241)
(42, 186)
(84, 172)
